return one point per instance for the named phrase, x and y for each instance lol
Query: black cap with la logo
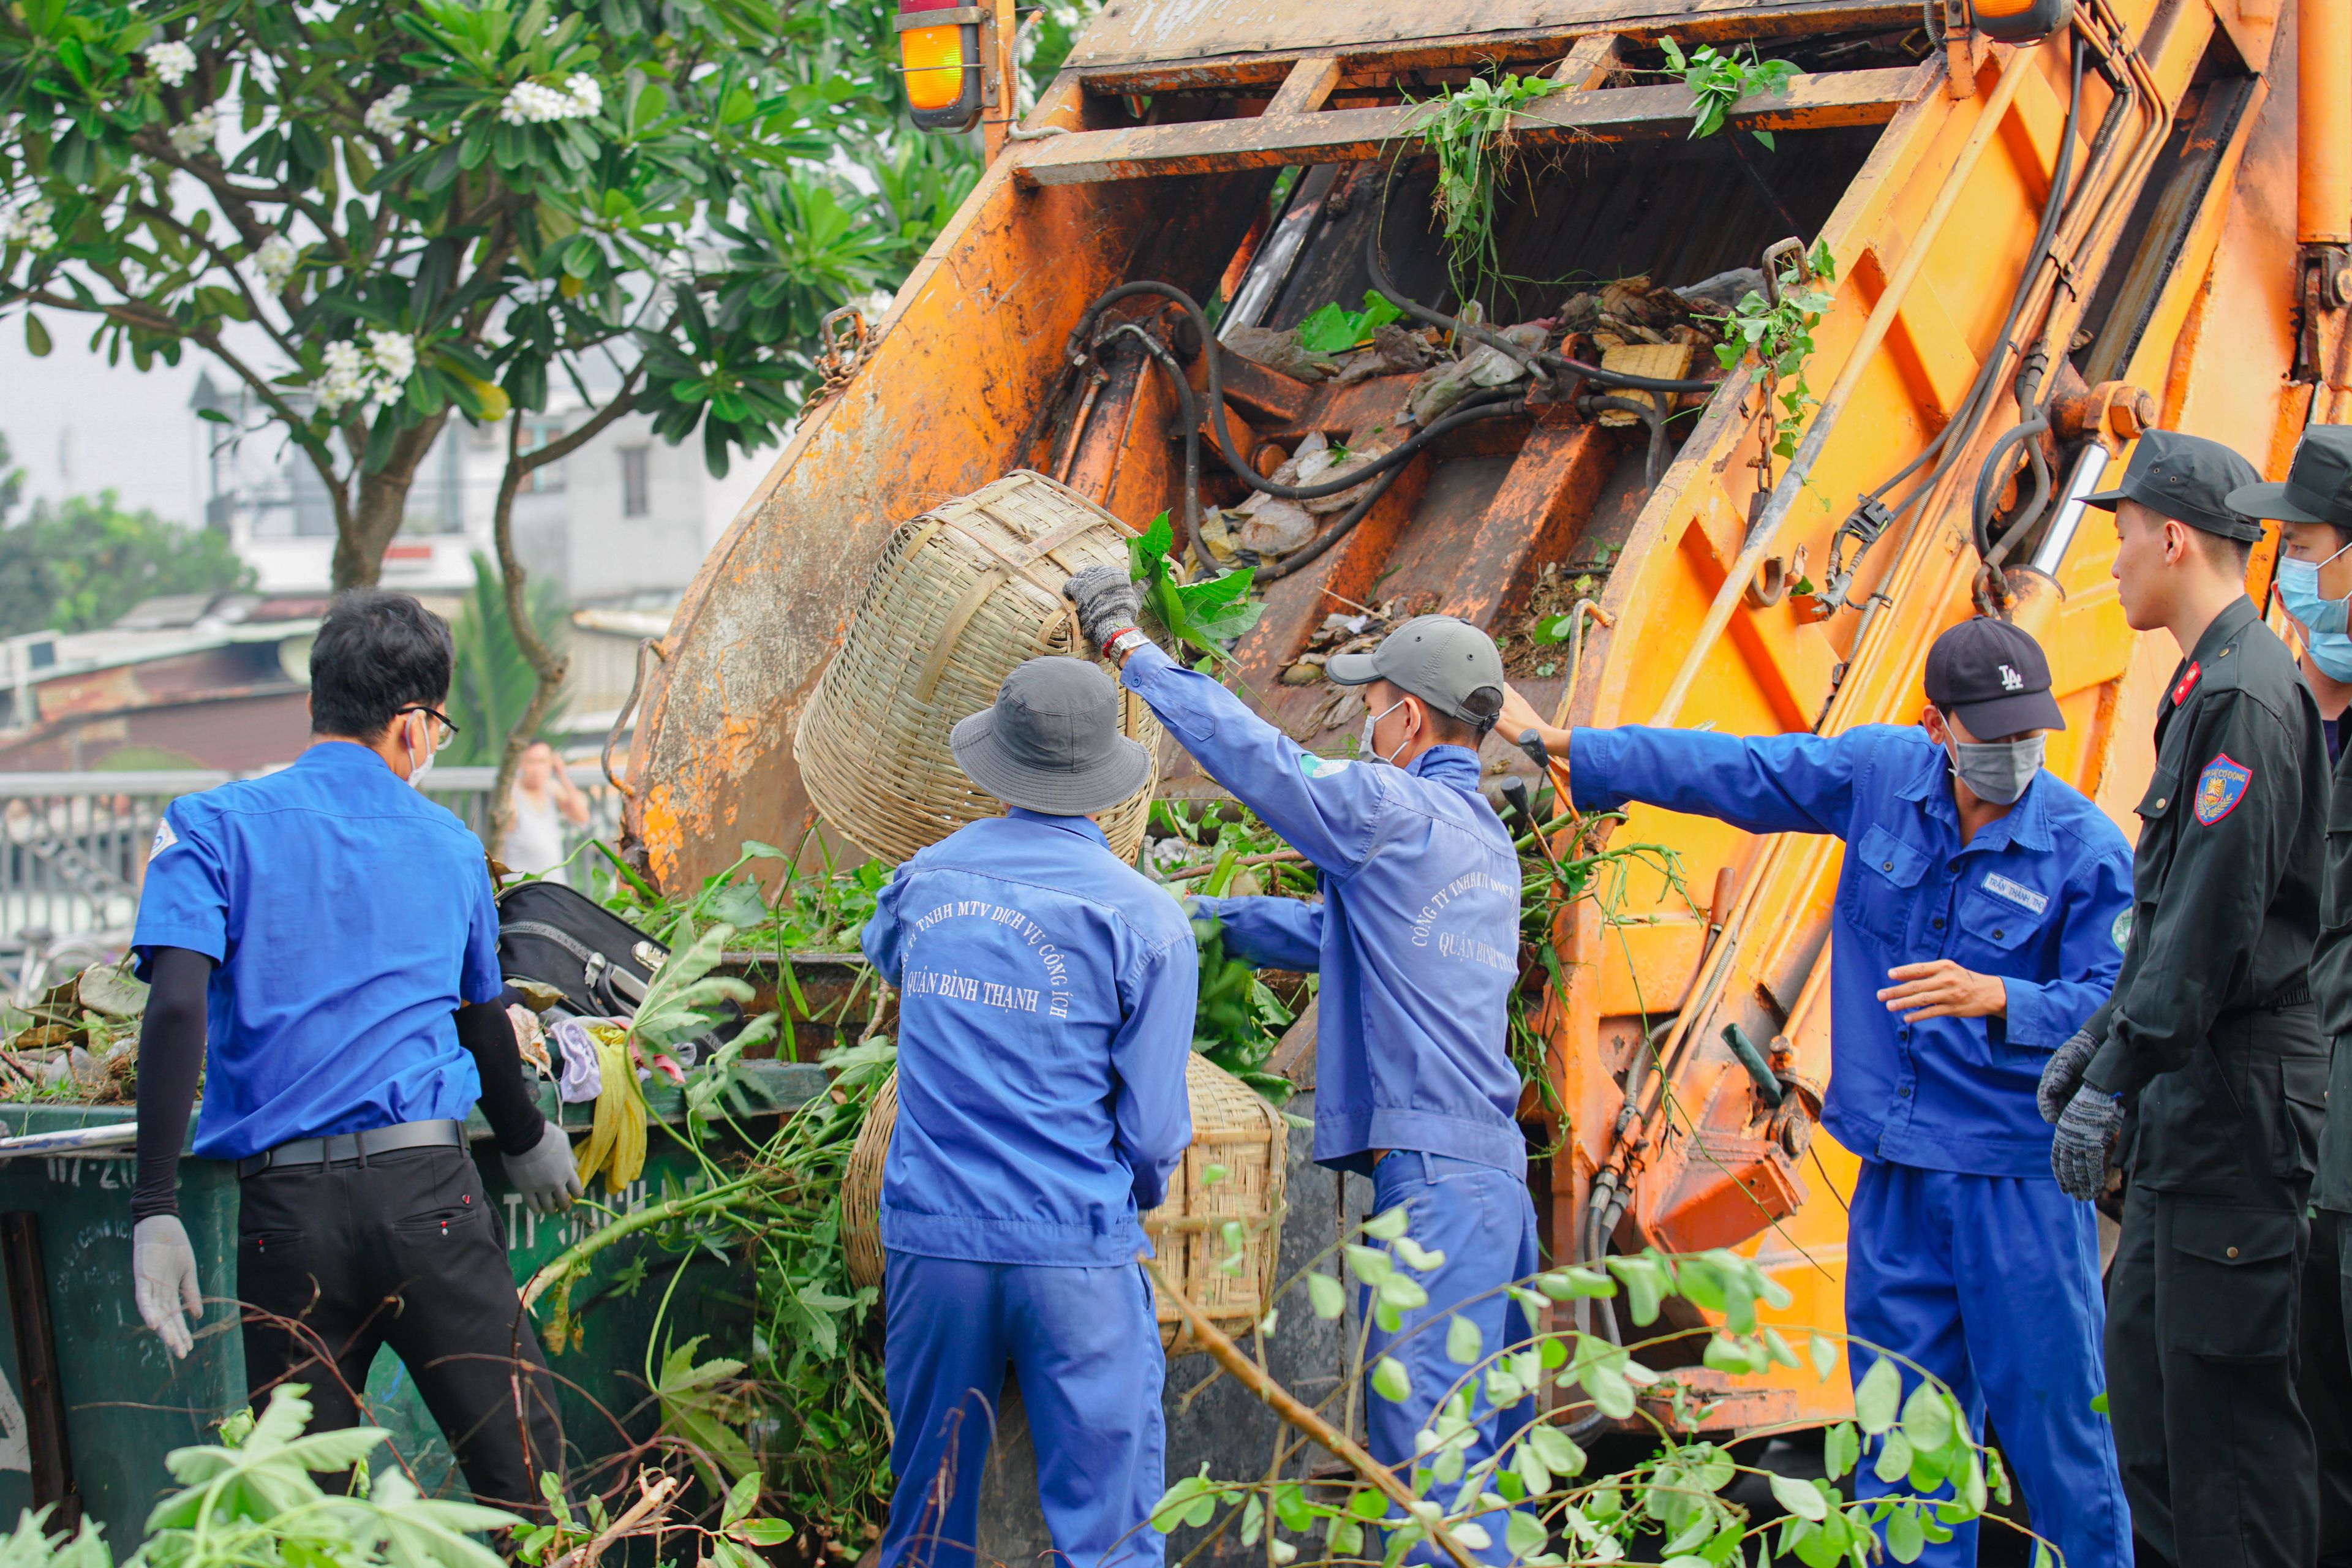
(1992, 677)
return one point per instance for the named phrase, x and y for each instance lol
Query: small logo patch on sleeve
(2120, 932)
(2221, 787)
(2016, 893)
(1316, 767)
(164, 838)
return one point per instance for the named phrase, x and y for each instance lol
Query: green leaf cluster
(1719, 79)
(1467, 128)
(1334, 329)
(1207, 615)
(1779, 333)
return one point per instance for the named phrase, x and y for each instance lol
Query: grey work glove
(545, 1173)
(2062, 1074)
(164, 1280)
(1107, 602)
(2085, 1140)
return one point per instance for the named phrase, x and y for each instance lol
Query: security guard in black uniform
(2211, 1041)
(2316, 504)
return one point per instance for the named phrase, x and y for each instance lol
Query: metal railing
(74, 846)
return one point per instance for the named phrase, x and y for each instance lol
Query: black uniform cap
(2318, 487)
(2188, 478)
(1991, 675)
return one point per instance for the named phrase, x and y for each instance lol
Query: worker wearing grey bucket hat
(1046, 1007)
(1052, 743)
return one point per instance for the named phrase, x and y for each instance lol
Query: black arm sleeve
(170, 1058)
(486, 1031)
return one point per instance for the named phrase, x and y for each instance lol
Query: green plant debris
(1207, 615)
(1718, 81)
(1335, 330)
(1779, 333)
(1468, 129)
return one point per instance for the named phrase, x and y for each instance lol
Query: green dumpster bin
(122, 1404)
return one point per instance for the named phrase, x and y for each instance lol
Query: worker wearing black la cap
(2316, 500)
(2210, 1039)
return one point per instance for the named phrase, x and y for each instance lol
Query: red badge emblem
(2187, 685)
(2221, 787)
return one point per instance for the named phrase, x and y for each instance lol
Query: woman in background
(545, 798)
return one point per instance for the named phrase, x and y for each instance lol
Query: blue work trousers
(1484, 1222)
(1991, 1283)
(1085, 1345)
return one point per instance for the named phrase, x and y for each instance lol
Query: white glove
(164, 1271)
(545, 1173)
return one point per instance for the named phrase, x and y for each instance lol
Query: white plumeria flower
(29, 224)
(345, 380)
(276, 258)
(171, 61)
(535, 103)
(201, 130)
(394, 354)
(387, 114)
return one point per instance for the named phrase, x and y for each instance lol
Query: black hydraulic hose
(1653, 465)
(1347, 520)
(1076, 348)
(1531, 360)
(1992, 475)
(1193, 551)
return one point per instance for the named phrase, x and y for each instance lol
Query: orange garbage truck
(1978, 262)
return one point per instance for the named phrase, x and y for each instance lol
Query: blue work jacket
(1417, 937)
(2041, 898)
(1046, 992)
(348, 917)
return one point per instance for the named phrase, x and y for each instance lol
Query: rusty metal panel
(1133, 32)
(1353, 135)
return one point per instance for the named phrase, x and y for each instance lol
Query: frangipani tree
(380, 213)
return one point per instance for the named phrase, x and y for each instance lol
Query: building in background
(189, 680)
(623, 523)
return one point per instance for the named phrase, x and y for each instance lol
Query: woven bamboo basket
(1231, 1127)
(961, 595)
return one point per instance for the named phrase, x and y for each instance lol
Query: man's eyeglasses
(444, 732)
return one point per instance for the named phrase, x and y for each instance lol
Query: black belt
(2293, 993)
(345, 1146)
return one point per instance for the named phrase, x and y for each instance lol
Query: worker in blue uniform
(1045, 1021)
(322, 946)
(1417, 943)
(1980, 919)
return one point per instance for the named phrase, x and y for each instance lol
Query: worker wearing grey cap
(1417, 941)
(2210, 1039)
(2313, 504)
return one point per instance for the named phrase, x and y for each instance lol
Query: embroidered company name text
(1054, 995)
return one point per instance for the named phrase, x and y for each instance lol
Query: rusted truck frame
(2197, 280)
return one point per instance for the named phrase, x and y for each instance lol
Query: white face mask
(416, 770)
(1370, 722)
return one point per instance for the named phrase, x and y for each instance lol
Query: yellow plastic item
(616, 1142)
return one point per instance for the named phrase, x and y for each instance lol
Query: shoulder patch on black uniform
(2221, 787)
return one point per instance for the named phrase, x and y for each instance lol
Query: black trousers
(2326, 1383)
(2202, 1303)
(334, 1262)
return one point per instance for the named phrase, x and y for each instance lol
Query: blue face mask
(2322, 619)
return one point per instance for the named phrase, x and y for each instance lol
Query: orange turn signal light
(938, 53)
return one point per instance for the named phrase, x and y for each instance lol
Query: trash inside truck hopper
(2107, 219)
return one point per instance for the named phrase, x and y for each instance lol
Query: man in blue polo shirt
(1980, 919)
(1417, 943)
(1046, 992)
(330, 933)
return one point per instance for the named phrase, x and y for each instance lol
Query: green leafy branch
(1469, 130)
(1779, 333)
(1532, 1497)
(1206, 615)
(1718, 81)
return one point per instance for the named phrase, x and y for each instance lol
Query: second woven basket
(1234, 1132)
